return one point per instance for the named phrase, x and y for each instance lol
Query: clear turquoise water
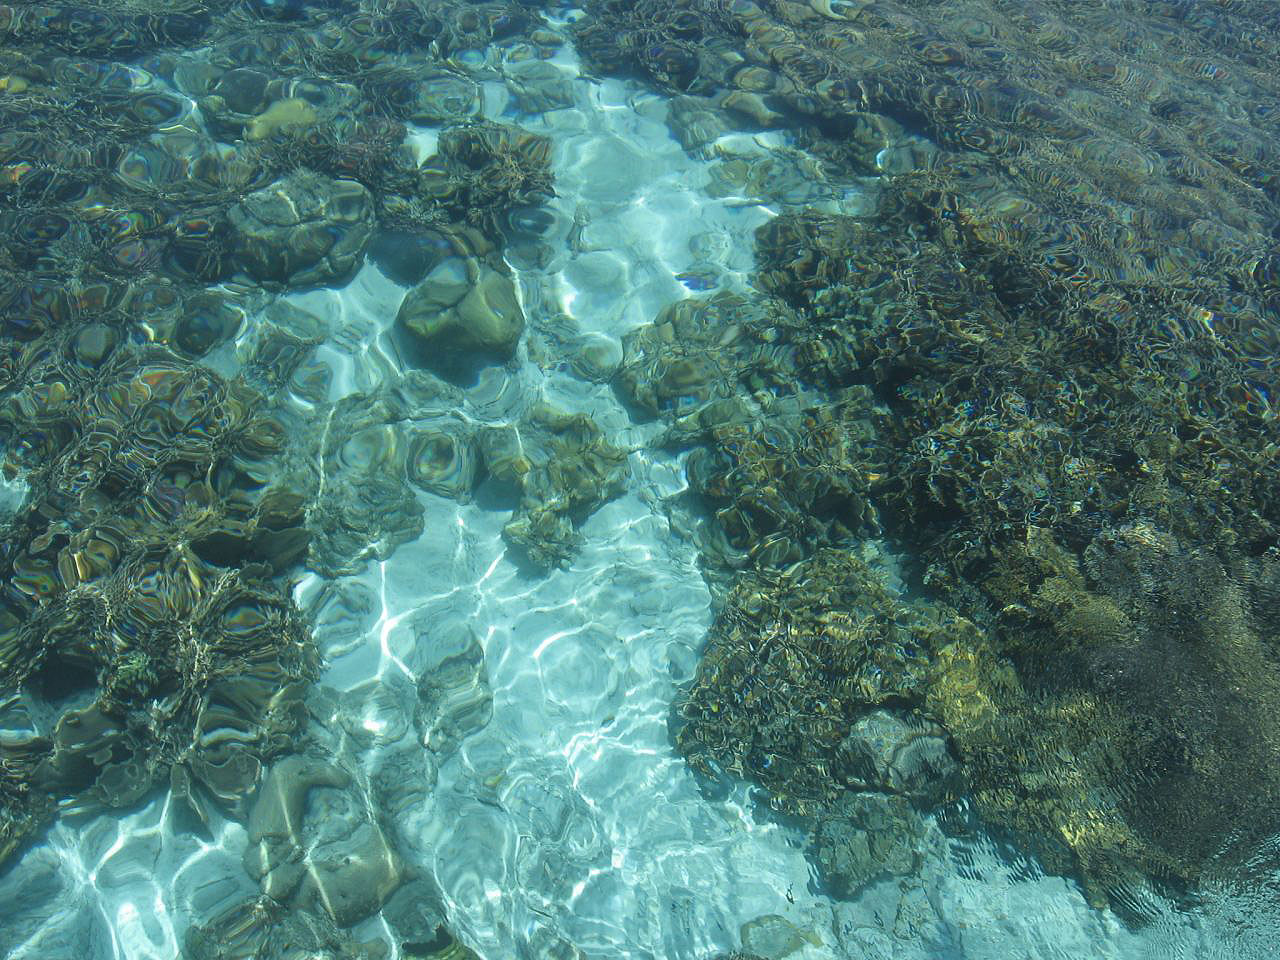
(545, 800)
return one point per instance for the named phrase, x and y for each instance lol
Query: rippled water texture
(487, 740)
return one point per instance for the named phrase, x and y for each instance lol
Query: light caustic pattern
(534, 779)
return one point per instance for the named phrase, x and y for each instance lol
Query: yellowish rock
(287, 115)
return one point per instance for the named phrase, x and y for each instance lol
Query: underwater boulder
(863, 838)
(312, 842)
(303, 230)
(464, 311)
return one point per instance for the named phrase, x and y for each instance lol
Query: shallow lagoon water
(560, 814)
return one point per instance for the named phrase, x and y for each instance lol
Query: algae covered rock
(381, 445)
(303, 230)
(263, 929)
(1152, 747)
(783, 471)
(141, 611)
(793, 661)
(312, 842)
(569, 472)
(151, 720)
(865, 837)
(464, 310)
(23, 812)
(1088, 495)
(483, 170)
(697, 351)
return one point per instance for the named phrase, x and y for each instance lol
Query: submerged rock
(905, 755)
(415, 916)
(464, 310)
(443, 457)
(596, 357)
(429, 100)
(368, 509)
(454, 697)
(342, 864)
(212, 650)
(407, 255)
(147, 634)
(243, 90)
(573, 470)
(865, 837)
(1074, 416)
(303, 230)
(289, 115)
(505, 458)
(443, 945)
(775, 937)
(262, 929)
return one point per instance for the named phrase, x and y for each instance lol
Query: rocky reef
(983, 466)
(166, 174)
(1000, 430)
(1048, 336)
(147, 638)
(781, 467)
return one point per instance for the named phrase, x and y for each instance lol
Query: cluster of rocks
(163, 175)
(1041, 359)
